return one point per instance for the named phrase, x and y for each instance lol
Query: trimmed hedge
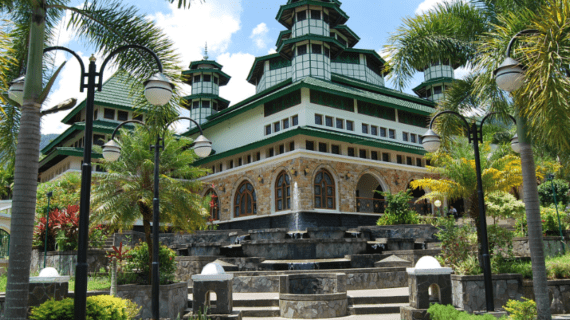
(101, 307)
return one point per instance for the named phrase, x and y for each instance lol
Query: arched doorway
(421, 207)
(368, 198)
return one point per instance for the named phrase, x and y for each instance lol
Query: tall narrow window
(214, 205)
(324, 190)
(245, 203)
(283, 192)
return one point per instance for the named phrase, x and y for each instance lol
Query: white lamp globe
(158, 90)
(437, 203)
(16, 90)
(509, 75)
(111, 151)
(515, 144)
(431, 141)
(202, 146)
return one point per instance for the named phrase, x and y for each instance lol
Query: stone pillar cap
(428, 265)
(49, 275)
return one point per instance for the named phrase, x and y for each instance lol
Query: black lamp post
(431, 143)
(49, 195)
(551, 179)
(112, 151)
(158, 91)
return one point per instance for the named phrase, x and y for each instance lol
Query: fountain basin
(296, 249)
(268, 234)
(309, 264)
(313, 296)
(327, 232)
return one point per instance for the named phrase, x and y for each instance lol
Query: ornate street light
(158, 91)
(112, 152)
(431, 143)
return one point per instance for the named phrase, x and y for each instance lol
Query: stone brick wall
(552, 246)
(346, 176)
(64, 261)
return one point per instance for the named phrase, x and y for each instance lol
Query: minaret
(205, 77)
(437, 78)
(311, 40)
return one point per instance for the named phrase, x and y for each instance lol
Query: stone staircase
(376, 305)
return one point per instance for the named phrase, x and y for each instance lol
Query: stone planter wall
(558, 292)
(313, 296)
(173, 299)
(64, 261)
(303, 248)
(356, 279)
(469, 291)
(552, 246)
(401, 231)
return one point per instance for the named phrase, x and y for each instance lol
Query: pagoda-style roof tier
(286, 48)
(212, 64)
(371, 56)
(424, 85)
(352, 38)
(224, 78)
(317, 132)
(115, 94)
(341, 85)
(283, 35)
(257, 68)
(99, 126)
(455, 64)
(222, 103)
(60, 153)
(287, 12)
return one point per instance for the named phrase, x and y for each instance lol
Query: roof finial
(206, 51)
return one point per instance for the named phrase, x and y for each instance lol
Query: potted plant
(135, 279)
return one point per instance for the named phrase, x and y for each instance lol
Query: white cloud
(213, 22)
(237, 65)
(427, 5)
(259, 35)
(67, 87)
(272, 51)
(462, 72)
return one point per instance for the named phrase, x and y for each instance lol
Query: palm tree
(453, 32)
(126, 192)
(455, 168)
(106, 25)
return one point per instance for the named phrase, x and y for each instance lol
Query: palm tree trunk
(26, 178)
(534, 223)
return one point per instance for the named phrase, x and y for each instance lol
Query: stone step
(378, 300)
(249, 303)
(360, 309)
(260, 312)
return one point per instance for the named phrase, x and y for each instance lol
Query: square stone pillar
(221, 285)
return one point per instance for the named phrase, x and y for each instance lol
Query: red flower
(543, 220)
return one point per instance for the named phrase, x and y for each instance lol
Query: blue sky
(236, 31)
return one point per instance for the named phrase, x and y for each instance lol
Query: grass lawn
(93, 283)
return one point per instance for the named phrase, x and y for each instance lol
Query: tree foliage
(547, 196)
(397, 209)
(125, 194)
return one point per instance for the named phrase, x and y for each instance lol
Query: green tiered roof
(337, 16)
(115, 94)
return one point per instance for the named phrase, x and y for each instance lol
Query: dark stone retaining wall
(552, 246)
(356, 279)
(469, 292)
(173, 299)
(64, 261)
(303, 248)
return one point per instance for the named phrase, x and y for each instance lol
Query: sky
(236, 31)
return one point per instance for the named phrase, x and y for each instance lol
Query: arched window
(245, 203)
(214, 205)
(283, 192)
(324, 190)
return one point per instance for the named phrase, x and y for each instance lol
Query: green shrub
(456, 242)
(397, 210)
(98, 308)
(521, 310)
(545, 192)
(139, 257)
(550, 220)
(558, 267)
(441, 312)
